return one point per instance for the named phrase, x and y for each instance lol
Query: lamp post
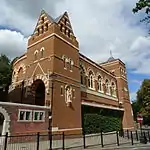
(52, 76)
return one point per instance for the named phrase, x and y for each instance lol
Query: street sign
(140, 118)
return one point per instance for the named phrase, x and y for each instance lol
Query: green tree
(5, 70)
(143, 97)
(143, 5)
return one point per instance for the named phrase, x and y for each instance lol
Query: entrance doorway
(39, 92)
(1, 123)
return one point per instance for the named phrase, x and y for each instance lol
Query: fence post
(136, 135)
(117, 138)
(102, 139)
(63, 141)
(131, 138)
(148, 136)
(128, 134)
(84, 145)
(38, 140)
(6, 138)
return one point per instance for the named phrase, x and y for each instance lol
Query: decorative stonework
(30, 81)
(6, 124)
(68, 95)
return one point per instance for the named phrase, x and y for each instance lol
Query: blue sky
(100, 26)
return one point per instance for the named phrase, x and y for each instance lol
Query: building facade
(52, 77)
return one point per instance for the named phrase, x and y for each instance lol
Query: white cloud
(133, 96)
(99, 26)
(12, 43)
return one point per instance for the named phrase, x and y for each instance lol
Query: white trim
(98, 94)
(53, 34)
(101, 105)
(6, 125)
(128, 128)
(71, 129)
(121, 78)
(25, 105)
(36, 52)
(38, 111)
(23, 57)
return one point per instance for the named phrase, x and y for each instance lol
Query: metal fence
(63, 141)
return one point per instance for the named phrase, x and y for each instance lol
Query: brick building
(53, 75)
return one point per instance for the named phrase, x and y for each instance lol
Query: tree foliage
(143, 5)
(5, 70)
(142, 103)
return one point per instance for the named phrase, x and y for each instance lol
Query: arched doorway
(1, 123)
(38, 88)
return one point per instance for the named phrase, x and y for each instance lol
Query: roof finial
(111, 54)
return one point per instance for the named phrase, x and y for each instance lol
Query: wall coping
(24, 105)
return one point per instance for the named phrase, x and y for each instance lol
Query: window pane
(28, 115)
(36, 115)
(21, 116)
(41, 116)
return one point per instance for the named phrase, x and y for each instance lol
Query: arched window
(71, 64)
(91, 80)
(38, 31)
(107, 86)
(42, 52)
(42, 19)
(64, 62)
(113, 89)
(42, 29)
(61, 27)
(99, 82)
(46, 25)
(35, 55)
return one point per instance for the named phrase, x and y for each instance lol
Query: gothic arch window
(42, 19)
(42, 52)
(99, 82)
(70, 64)
(113, 89)
(82, 75)
(35, 55)
(64, 62)
(38, 31)
(107, 86)
(42, 29)
(61, 27)
(46, 26)
(91, 79)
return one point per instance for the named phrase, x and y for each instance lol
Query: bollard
(102, 139)
(137, 136)
(84, 145)
(117, 138)
(38, 140)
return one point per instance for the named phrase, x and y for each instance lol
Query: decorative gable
(43, 23)
(65, 25)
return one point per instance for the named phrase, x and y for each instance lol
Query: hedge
(96, 119)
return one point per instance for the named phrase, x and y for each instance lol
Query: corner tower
(53, 49)
(118, 68)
